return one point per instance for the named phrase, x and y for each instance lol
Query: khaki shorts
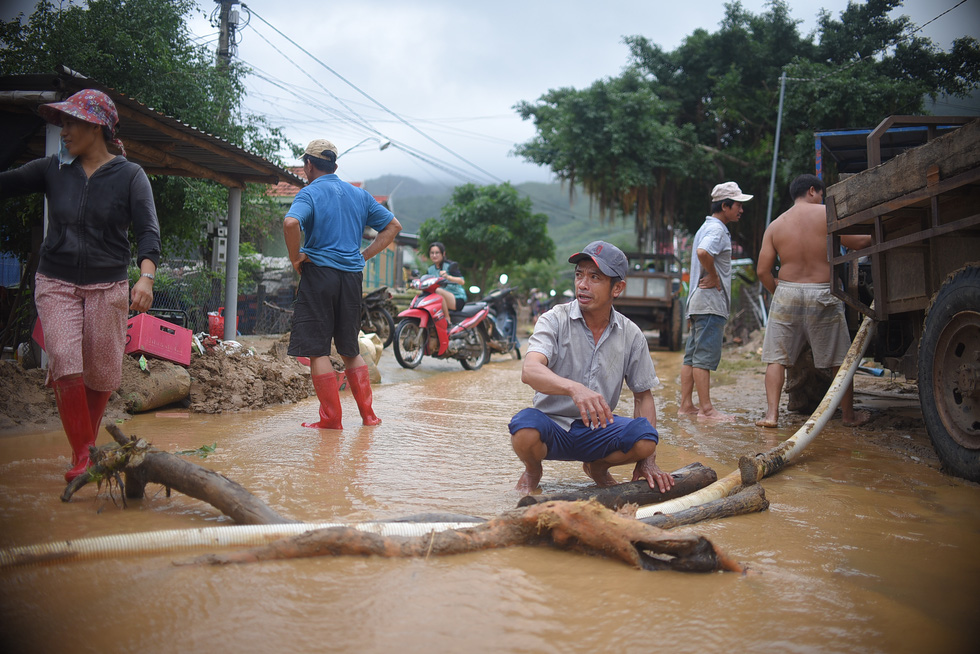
(802, 313)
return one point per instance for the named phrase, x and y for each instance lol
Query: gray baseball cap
(729, 191)
(610, 259)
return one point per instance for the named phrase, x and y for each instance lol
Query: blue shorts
(704, 342)
(581, 443)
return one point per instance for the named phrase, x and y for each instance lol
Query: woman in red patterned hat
(82, 289)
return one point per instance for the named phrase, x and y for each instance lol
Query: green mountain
(569, 224)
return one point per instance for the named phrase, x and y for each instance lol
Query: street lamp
(382, 144)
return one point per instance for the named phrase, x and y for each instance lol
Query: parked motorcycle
(375, 315)
(503, 322)
(424, 328)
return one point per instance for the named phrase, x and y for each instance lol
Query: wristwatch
(150, 275)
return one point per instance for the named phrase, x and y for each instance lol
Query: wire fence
(192, 296)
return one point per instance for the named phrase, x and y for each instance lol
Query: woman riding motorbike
(453, 294)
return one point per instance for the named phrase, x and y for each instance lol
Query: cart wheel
(949, 373)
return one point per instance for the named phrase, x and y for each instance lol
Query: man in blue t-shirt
(332, 215)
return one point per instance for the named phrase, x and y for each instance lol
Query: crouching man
(577, 359)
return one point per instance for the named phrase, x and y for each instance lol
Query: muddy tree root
(583, 527)
(143, 464)
(686, 480)
(748, 500)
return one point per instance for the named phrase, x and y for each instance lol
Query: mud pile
(220, 381)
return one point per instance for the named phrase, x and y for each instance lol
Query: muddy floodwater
(863, 549)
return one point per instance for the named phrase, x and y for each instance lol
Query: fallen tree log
(142, 464)
(584, 527)
(747, 500)
(686, 480)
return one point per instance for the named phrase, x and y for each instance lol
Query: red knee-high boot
(97, 401)
(328, 392)
(359, 380)
(69, 392)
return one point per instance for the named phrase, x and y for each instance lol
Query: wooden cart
(922, 209)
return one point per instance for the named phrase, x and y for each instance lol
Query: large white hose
(753, 469)
(174, 541)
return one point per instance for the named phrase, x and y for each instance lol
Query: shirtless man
(577, 359)
(803, 309)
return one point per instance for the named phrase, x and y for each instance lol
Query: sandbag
(162, 383)
(371, 347)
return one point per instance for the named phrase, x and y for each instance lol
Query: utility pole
(775, 149)
(227, 24)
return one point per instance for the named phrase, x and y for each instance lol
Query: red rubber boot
(69, 393)
(328, 392)
(97, 402)
(359, 381)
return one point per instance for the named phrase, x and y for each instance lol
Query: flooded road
(862, 549)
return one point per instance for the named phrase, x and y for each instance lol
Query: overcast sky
(448, 73)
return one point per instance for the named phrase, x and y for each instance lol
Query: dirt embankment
(252, 377)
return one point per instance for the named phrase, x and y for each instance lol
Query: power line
(453, 170)
(363, 122)
(379, 104)
(851, 64)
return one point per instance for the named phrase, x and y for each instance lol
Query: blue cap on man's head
(610, 259)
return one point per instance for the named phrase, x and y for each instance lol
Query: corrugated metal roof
(161, 144)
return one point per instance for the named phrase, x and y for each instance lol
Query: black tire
(409, 343)
(476, 339)
(949, 370)
(517, 352)
(382, 324)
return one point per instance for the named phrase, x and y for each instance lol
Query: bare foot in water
(771, 423)
(860, 417)
(715, 414)
(601, 479)
(528, 483)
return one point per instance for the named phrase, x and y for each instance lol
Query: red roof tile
(285, 190)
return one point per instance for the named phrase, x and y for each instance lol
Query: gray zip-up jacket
(89, 218)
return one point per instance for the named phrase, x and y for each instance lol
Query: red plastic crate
(146, 334)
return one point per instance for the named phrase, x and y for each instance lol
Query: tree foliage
(143, 49)
(487, 229)
(654, 140)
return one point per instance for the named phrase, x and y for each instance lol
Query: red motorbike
(423, 328)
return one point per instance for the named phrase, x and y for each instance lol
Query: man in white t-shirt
(709, 300)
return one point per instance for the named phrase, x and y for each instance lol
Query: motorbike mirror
(504, 278)
(475, 290)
